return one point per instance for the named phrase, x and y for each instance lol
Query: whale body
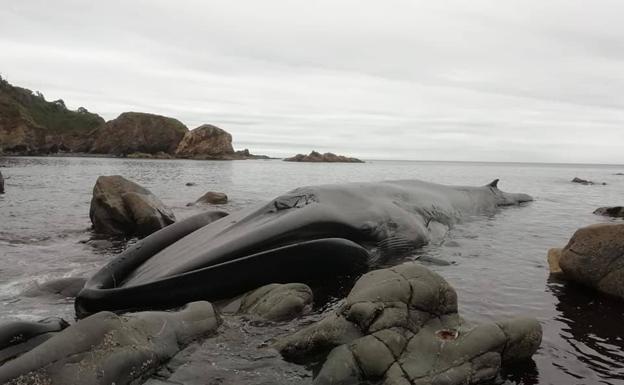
(311, 231)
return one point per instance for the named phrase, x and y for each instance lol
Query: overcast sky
(528, 80)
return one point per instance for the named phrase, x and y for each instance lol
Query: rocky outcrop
(18, 337)
(400, 326)
(326, 157)
(213, 198)
(554, 256)
(136, 132)
(613, 212)
(274, 302)
(594, 257)
(109, 349)
(1, 183)
(122, 207)
(206, 142)
(30, 125)
(585, 182)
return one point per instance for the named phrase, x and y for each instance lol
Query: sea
(497, 263)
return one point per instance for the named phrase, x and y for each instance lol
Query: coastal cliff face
(136, 132)
(30, 125)
(206, 142)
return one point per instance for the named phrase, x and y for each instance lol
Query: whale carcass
(310, 232)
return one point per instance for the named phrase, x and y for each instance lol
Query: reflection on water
(496, 263)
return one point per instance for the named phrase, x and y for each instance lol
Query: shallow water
(498, 262)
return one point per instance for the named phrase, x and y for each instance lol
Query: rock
(189, 184)
(400, 326)
(318, 157)
(122, 207)
(275, 302)
(18, 337)
(64, 287)
(1, 184)
(109, 349)
(594, 257)
(613, 212)
(586, 182)
(554, 255)
(619, 173)
(206, 142)
(245, 154)
(213, 198)
(100, 243)
(136, 132)
(30, 125)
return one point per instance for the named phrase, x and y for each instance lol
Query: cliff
(137, 132)
(30, 125)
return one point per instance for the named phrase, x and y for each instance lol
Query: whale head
(505, 198)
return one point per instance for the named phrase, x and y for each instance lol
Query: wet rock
(1, 184)
(106, 348)
(554, 256)
(65, 287)
(101, 243)
(274, 302)
(18, 337)
(122, 207)
(585, 182)
(613, 212)
(213, 198)
(400, 326)
(594, 257)
(189, 184)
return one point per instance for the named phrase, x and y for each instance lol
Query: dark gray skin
(326, 229)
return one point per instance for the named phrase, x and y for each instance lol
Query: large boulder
(109, 349)
(122, 207)
(594, 257)
(18, 337)
(206, 142)
(400, 326)
(136, 132)
(327, 157)
(585, 182)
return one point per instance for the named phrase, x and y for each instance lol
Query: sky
(517, 81)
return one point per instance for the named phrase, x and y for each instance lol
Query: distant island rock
(30, 125)
(327, 157)
(137, 132)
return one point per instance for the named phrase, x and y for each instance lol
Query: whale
(309, 233)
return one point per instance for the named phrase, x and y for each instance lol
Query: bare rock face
(136, 132)
(594, 257)
(122, 207)
(1, 184)
(206, 142)
(400, 326)
(327, 157)
(613, 212)
(109, 349)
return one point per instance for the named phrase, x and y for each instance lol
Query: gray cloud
(480, 80)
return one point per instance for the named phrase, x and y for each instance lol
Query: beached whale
(317, 231)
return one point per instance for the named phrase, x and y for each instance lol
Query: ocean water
(497, 262)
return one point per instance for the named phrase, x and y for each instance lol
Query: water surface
(498, 262)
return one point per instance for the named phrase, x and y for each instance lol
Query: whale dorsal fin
(493, 183)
